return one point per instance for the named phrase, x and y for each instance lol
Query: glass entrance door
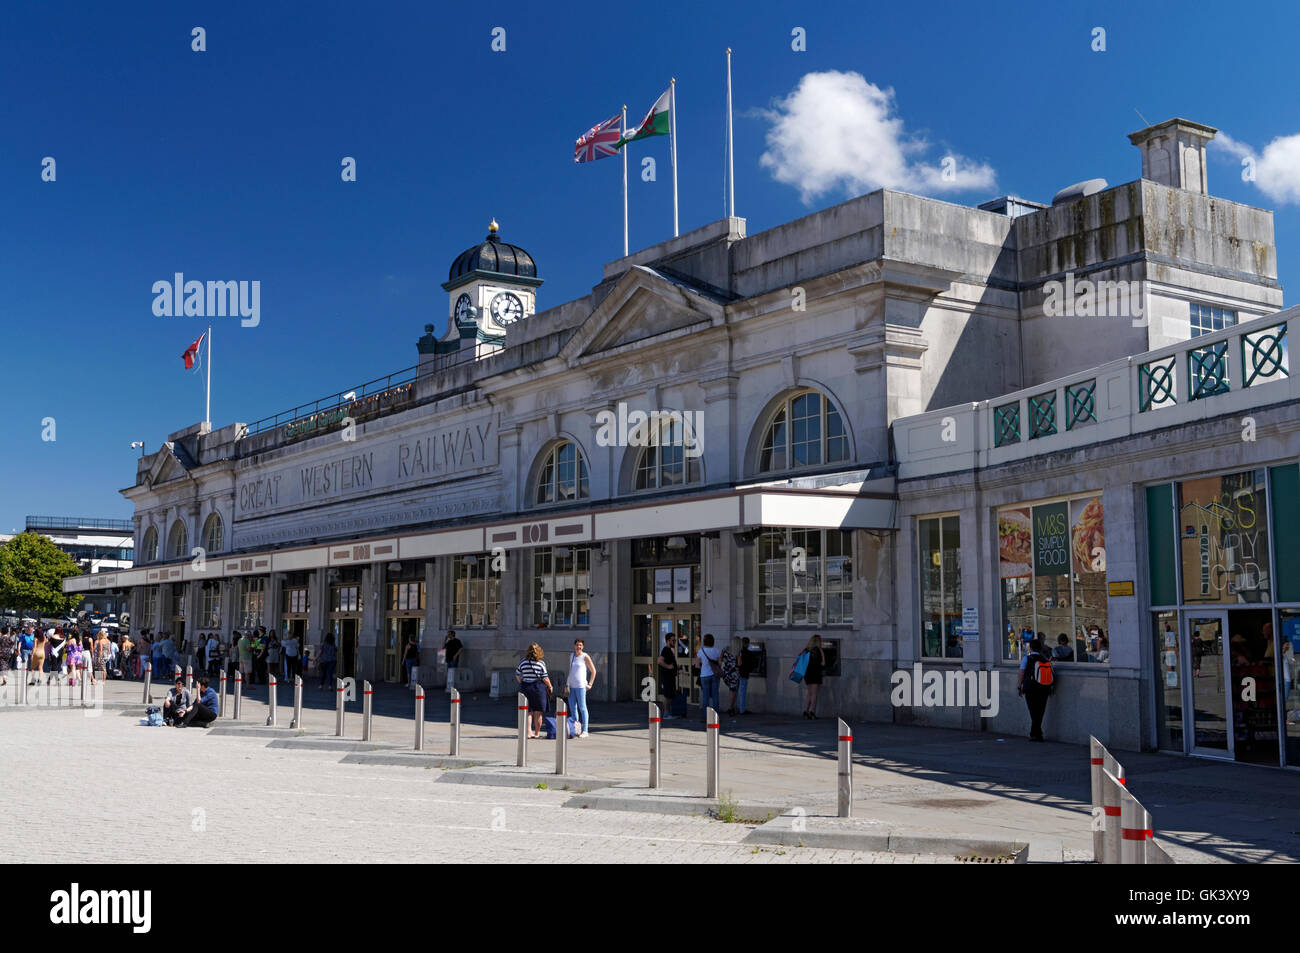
(400, 631)
(686, 629)
(345, 630)
(1206, 693)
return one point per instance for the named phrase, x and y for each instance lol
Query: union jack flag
(600, 141)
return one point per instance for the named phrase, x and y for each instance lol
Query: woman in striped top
(535, 683)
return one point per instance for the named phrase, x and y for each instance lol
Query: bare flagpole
(624, 151)
(731, 155)
(207, 395)
(672, 118)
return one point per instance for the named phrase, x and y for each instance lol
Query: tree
(32, 570)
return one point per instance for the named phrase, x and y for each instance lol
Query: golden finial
(493, 227)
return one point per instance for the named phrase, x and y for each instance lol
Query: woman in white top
(709, 659)
(582, 675)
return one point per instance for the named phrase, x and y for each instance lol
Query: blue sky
(225, 165)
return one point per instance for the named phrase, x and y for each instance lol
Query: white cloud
(1276, 169)
(838, 131)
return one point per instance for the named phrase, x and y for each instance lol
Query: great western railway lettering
(415, 458)
(354, 471)
(449, 450)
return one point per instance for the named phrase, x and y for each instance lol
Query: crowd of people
(58, 654)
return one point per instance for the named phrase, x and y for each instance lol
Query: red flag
(192, 351)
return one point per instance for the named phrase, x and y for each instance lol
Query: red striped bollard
(1135, 829)
(338, 712)
(712, 748)
(148, 680)
(367, 711)
(655, 720)
(221, 694)
(419, 717)
(1110, 806)
(239, 692)
(521, 753)
(845, 786)
(273, 699)
(455, 722)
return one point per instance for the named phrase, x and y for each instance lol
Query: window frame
(548, 475)
(784, 417)
(540, 617)
(943, 589)
(462, 609)
(785, 594)
(214, 524)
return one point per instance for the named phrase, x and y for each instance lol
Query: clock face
(462, 309)
(506, 308)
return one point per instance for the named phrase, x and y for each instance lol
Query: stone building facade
(731, 434)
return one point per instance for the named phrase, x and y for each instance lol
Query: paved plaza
(241, 791)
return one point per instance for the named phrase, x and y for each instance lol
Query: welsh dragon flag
(657, 122)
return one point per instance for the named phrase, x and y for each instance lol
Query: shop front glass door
(1252, 661)
(1211, 725)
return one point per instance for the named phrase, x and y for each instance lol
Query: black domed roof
(494, 257)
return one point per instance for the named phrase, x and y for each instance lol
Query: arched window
(213, 534)
(563, 476)
(178, 543)
(673, 459)
(149, 547)
(805, 431)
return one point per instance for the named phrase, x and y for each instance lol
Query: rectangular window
(476, 592)
(1205, 319)
(804, 577)
(405, 596)
(295, 601)
(561, 587)
(1052, 567)
(939, 552)
(1223, 529)
(345, 599)
(148, 608)
(210, 616)
(252, 602)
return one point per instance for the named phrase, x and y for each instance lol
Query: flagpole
(672, 118)
(731, 156)
(207, 394)
(624, 151)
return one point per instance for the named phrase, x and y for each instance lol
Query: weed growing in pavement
(541, 786)
(726, 811)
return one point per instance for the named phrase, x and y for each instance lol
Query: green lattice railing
(1207, 368)
(1006, 424)
(1081, 404)
(1042, 415)
(1264, 356)
(1156, 384)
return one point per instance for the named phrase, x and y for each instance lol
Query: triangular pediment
(165, 467)
(643, 307)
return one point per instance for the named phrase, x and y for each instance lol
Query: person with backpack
(668, 676)
(1035, 684)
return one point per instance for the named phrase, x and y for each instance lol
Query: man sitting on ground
(204, 711)
(177, 701)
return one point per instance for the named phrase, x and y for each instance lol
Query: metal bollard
(148, 678)
(338, 711)
(273, 700)
(655, 720)
(297, 702)
(561, 736)
(1135, 829)
(81, 682)
(189, 678)
(239, 693)
(1096, 758)
(1110, 806)
(712, 749)
(221, 694)
(455, 722)
(367, 711)
(521, 755)
(846, 769)
(21, 693)
(178, 674)
(419, 717)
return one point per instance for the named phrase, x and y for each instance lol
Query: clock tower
(490, 287)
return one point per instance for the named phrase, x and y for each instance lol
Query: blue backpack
(153, 715)
(800, 666)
